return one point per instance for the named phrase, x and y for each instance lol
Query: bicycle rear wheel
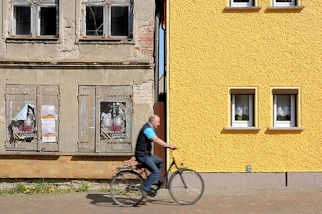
(186, 186)
(126, 188)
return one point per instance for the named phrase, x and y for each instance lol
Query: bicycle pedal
(152, 193)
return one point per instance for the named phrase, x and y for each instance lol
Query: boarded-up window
(107, 19)
(32, 117)
(105, 116)
(34, 18)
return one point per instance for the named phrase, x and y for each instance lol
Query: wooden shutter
(109, 94)
(48, 111)
(17, 97)
(86, 119)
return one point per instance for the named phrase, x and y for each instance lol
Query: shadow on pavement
(105, 200)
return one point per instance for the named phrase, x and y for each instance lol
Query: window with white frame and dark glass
(34, 18)
(107, 19)
(241, 3)
(285, 108)
(242, 108)
(284, 3)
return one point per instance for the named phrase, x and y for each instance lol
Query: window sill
(47, 40)
(285, 128)
(22, 153)
(285, 9)
(242, 128)
(103, 154)
(241, 9)
(109, 41)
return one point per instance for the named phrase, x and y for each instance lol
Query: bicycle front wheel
(126, 188)
(186, 186)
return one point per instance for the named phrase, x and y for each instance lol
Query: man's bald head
(154, 120)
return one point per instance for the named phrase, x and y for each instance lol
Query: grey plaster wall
(69, 46)
(71, 49)
(68, 80)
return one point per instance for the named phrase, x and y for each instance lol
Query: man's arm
(162, 143)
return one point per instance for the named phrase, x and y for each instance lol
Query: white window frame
(35, 7)
(107, 19)
(285, 124)
(283, 4)
(244, 123)
(250, 3)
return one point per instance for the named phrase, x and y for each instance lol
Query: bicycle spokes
(126, 188)
(186, 186)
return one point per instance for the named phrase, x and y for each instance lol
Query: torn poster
(48, 111)
(23, 125)
(48, 123)
(49, 138)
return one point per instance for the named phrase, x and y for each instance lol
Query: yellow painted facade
(212, 49)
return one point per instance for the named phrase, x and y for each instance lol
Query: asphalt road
(285, 201)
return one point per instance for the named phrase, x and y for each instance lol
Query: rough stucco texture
(211, 50)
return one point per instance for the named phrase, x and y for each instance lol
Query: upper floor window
(31, 18)
(285, 107)
(241, 3)
(242, 107)
(283, 3)
(107, 19)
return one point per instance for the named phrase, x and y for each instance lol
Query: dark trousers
(154, 165)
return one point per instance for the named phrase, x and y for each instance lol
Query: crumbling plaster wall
(68, 46)
(68, 81)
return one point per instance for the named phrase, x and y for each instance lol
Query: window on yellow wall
(242, 107)
(241, 3)
(284, 3)
(285, 107)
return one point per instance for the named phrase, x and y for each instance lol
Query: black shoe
(158, 183)
(146, 193)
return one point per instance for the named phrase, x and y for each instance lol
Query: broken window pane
(23, 18)
(119, 21)
(113, 120)
(94, 20)
(48, 21)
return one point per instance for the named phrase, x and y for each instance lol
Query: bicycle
(185, 186)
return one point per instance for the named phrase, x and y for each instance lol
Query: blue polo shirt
(149, 132)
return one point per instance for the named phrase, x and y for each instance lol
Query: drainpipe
(156, 57)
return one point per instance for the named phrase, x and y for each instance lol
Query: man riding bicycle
(143, 149)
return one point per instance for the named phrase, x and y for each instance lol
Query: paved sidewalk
(286, 201)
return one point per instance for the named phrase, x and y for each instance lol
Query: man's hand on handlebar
(172, 147)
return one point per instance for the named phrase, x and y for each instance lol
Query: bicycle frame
(165, 177)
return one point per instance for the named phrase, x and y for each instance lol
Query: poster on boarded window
(113, 120)
(23, 125)
(48, 123)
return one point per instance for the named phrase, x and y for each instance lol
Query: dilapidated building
(76, 85)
